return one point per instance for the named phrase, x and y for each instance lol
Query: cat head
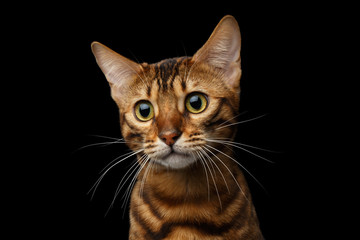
(171, 109)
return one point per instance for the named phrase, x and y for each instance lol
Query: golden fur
(203, 195)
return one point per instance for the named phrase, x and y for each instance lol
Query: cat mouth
(174, 152)
(176, 160)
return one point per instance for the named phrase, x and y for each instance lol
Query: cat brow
(166, 71)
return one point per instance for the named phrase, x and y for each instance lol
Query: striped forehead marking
(166, 71)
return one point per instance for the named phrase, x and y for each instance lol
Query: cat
(173, 116)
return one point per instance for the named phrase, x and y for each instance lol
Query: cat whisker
(212, 177)
(116, 141)
(210, 163)
(121, 183)
(242, 144)
(134, 56)
(244, 121)
(206, 174)
(128, 173)
(186, 66)
(240, 114)
(95, 186)
(114, 160)
(211, 160)
(237, 164)
(229, 143)
(104, 144)
(149, 169)
(99, 144)
(135, 166)
(183, 46)
(129, 189)
(106, 137)
(232, 175)
(143, 180)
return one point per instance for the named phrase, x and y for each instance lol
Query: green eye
(196, 102)
(144, 111)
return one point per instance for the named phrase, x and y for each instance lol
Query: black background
(65, 101)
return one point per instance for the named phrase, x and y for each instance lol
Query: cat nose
(169, 137)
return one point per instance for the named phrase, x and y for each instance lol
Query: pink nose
(169, 137)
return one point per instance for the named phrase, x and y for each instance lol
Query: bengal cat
(173, 116)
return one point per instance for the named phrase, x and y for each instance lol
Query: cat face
(169, 110)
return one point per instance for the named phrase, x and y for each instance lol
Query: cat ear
(222, 50)
(117, 69)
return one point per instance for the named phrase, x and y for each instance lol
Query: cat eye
(144, 111)
(196, 102)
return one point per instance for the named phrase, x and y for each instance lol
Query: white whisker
(232, 175)
(212, 177)
(98, 144)
(212, 161)
(237, 164)
(143, 180)
(207, 178)
(109, 168)
(124, 155)
(242, 144)
(123, 181)
(116, 141)
(244, 149)
(240, 114)
(135, 165)
(132, 184)
(106, 137)
(244, 121)
(186, 67)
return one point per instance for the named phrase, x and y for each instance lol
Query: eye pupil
(195, 102)
(144, 109)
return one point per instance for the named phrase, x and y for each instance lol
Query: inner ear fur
(116, 68)
(222, 50)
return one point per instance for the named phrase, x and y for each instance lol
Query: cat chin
(176, 161)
